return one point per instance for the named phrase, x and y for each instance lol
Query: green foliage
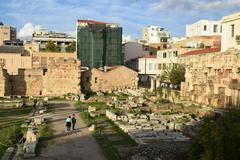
(218, 139)
(89, 94)
(9, 136)
(71, 47)
(50, 46)
(177, 74)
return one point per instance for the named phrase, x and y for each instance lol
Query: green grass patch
(15, 112)
(9, 136)
(45, 133)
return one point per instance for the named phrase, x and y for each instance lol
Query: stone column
(153, 84)
(157, 83)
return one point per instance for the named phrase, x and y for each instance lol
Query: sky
(132, 15)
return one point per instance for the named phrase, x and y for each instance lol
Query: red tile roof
(150, 56)
(92, 22)
(202, 51)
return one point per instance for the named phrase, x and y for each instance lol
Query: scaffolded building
(99, 44)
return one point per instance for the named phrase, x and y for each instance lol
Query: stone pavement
(73, 145)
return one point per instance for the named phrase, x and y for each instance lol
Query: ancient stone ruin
(213, 79)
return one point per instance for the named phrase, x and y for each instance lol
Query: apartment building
(231, 32)
(204, 28)
(7, 33)
(99, 43)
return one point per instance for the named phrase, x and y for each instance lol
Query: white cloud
(25, 33)
(163, 5)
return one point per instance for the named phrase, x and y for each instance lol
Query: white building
(231, 32)
(155, 35)
(147, 66)
(42, 36)
(166, 59)
(204, 28)
(133, 50)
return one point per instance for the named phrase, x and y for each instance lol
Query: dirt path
(73, 145)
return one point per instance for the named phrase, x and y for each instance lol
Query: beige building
(231, 32)
(13, 58)
(7, 33)
(113, 79)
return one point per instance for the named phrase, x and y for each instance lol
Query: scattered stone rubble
(154, 132)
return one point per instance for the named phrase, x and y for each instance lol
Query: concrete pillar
(153, 84)
(157, 83)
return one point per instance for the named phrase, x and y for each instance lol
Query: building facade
(99, 43)
(204, 28)
(155, 35)
(42, 36)
(113, 79)
(13, 58)
(231, 32)
(133, 50)
(7, 33)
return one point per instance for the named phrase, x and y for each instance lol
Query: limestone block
(31, 136)
(92, 128)
(29, 148)
(38, 120)
(91, 109)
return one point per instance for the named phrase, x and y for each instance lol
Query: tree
(218, 139)
(177, 74)
(71, 47)
(50, 46)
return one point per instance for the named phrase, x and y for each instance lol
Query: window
(205, 27)
(232, 27)
(164, 54)
(215, 27)
(221, 29)
(96, 79)
(159, 66)
(152, 34)
(150, 66)
(175, 53)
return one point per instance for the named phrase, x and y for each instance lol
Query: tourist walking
(68, 123)
(73, 121)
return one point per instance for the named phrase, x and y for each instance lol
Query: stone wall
(28, 82)
(168, 93)
(4, 83)
(117, 78)
(213, 79)
(62, 77)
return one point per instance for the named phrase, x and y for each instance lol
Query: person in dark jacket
(73, 121)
